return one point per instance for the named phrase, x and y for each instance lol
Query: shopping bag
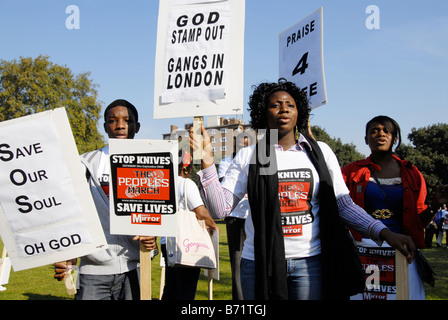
(193, 245)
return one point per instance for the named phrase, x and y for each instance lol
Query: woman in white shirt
(296, 245)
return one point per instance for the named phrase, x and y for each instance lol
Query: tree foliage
(32, 85)
(429, 153)
(345, 152)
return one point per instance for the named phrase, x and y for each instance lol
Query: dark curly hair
(259, 98)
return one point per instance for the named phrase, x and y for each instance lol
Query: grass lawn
(438, 259)
(38, 283)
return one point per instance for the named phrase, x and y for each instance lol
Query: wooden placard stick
(197, 154)
(210, 284)
(68, 280)
(401, 276)
(145, 273)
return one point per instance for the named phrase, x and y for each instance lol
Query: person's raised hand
(207, 154)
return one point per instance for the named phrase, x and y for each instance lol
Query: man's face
(120, 123)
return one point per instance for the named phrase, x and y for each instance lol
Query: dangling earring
(296, 133)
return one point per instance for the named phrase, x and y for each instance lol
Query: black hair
(262, 92)
(390, 125)
(123, 103)
(243, 135)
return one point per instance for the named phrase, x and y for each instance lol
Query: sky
(397, 70)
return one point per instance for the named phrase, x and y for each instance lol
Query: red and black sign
(295, 189)
(143, 186)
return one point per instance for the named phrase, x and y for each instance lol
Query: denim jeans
(304, 278)
(123, 286)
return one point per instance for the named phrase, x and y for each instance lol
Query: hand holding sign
(148, 242)
(201, 141)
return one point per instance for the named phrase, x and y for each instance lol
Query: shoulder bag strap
(185, 195)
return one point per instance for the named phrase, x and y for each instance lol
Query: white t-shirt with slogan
(298, 189)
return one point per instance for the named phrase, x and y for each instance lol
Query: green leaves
(346, 153)
(429, 153)
(32, 85)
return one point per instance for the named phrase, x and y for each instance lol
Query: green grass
(438, 259)
(39, 284)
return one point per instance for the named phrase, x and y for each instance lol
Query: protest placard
(47, 213)
(380, 272)
(301, 57)
(143, 187)
(196, 73)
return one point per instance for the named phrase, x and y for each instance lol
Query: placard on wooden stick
(402, 276)
(199, 58)
(143, 196)
(47, 213)
(379, 264)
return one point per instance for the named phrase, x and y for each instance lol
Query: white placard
(143, 185)
(47, 213)
(196, 72)
(301, 57)
(4, 279)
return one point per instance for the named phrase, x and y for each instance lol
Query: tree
(32, 85)
(346, 153)
(429, 153)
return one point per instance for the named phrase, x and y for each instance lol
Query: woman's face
(281, 112)
(379, 137)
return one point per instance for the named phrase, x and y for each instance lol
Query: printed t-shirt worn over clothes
(299, 206)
